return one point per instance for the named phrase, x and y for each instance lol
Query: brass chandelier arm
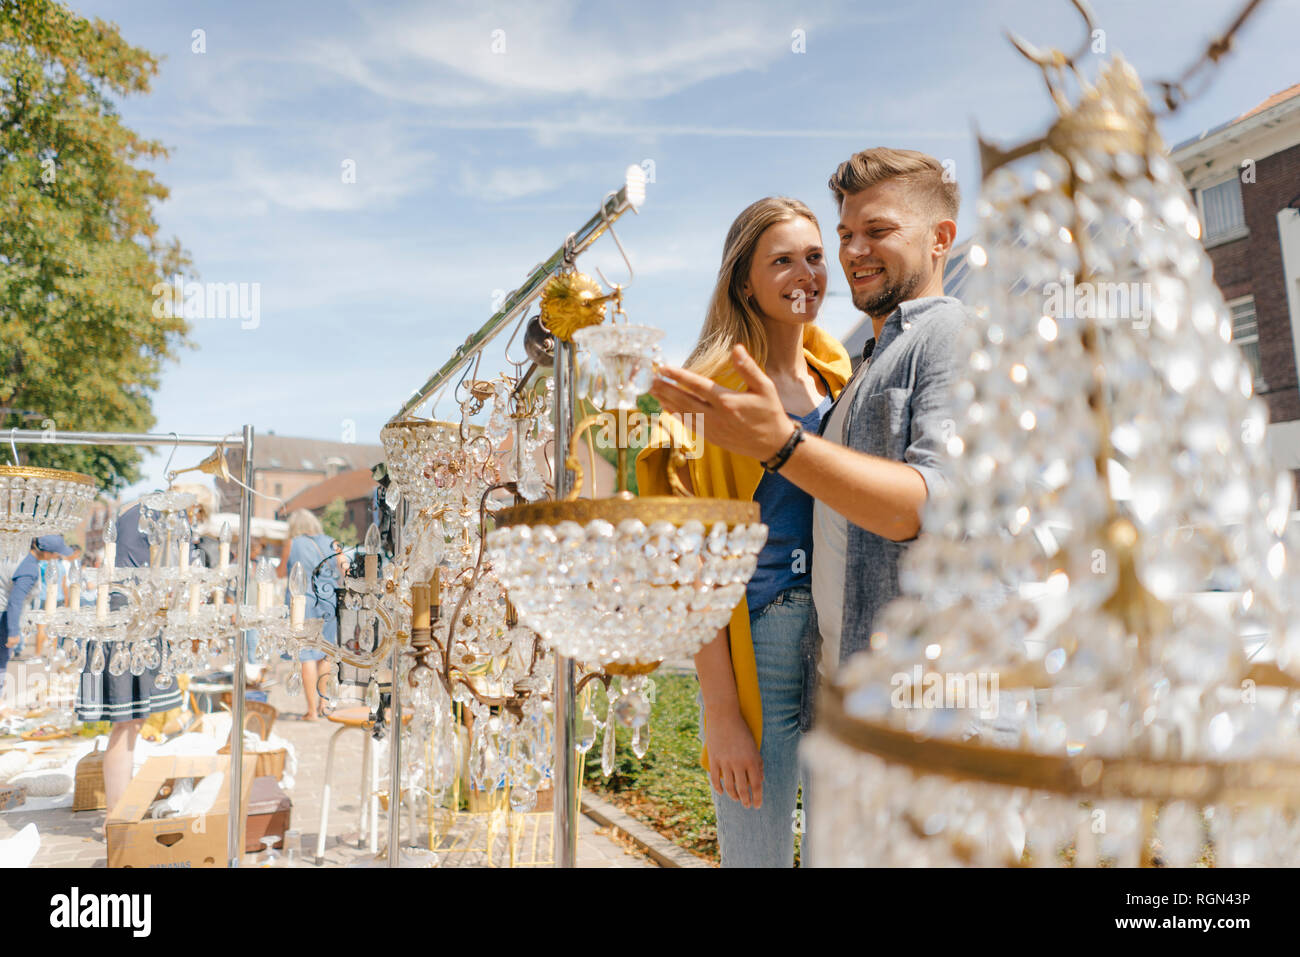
(1084, 777)
(572, 462)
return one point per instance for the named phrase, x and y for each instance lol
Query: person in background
(205, 504)
(308, 545)
(125, 700)
(47, 548)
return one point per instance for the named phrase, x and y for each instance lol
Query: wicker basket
(269, 763)
(88, 794)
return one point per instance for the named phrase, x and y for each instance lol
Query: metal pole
(395, 728)
(566, 767)
(614, 206)
(234, 846)
(145, 439)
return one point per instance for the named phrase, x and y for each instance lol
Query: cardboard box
(268, 811)
(137, 840)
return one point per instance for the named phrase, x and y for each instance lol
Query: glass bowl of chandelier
(624, 582)
(38, 501)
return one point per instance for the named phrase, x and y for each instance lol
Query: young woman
(757, 675)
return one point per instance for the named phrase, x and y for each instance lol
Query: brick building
(1245, 176)
(355, 487)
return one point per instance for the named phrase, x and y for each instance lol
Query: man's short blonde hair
(924, 176)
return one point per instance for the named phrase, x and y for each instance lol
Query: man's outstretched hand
(751, 423)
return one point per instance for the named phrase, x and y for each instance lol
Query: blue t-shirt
(787, 511)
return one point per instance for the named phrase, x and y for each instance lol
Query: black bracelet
(775, 462)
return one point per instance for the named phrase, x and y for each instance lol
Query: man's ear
(945, 234)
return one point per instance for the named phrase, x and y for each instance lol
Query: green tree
(80, 256)
(332, 518)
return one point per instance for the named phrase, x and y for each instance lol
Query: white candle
(101, 600)
(372, 570)
(265, 596)
(297, 610)
(74, 593)
(185, 556)
(195, 597)
(110, 556)
(51, 591)
(223, 549)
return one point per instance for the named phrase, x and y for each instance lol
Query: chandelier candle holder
(1112, 467)
(173, 616)
(623, 583)
(39, 501)
(285, 630)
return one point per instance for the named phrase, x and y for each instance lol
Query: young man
(880, 455)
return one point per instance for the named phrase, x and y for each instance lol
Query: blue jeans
(764, 836)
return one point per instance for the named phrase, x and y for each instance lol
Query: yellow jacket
(717, 473)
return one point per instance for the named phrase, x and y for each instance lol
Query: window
(279, 488)
(1221, 210)
(1245, 333)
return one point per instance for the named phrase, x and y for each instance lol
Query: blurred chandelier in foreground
(1117, 456)
(36, 501)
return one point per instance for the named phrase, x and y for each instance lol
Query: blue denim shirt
(901, 411)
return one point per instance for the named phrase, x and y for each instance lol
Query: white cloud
(472, 54)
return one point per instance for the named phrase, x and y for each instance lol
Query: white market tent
(264, 528)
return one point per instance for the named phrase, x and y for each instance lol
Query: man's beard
(881, 304)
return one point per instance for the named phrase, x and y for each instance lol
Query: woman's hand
(735, 767)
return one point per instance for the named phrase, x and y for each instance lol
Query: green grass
(667, 789)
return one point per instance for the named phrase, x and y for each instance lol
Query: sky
(382, 174)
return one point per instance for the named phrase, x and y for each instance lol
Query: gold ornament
(573, 301)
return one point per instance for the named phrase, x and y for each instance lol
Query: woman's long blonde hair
(731, 317)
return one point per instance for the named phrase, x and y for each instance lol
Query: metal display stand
(566, 766)
(238, 641)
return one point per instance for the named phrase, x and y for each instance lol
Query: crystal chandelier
(174, 618)
(38, 501)
(1050, 689)
(465, 646)
(622, 583)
